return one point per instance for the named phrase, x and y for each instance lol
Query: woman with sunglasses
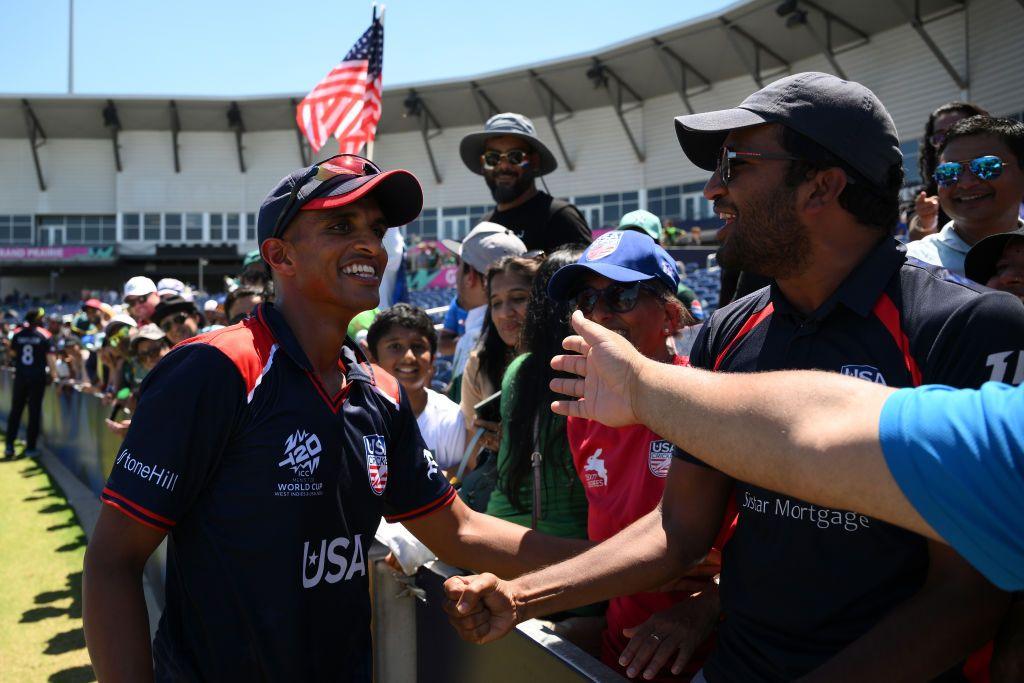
(508, 282)
(980, 185)
(626, 283)
(928, 215)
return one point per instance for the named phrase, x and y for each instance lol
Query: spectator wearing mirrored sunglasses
(510, 157)
(928, 215)
(980, 181)
(178, 319)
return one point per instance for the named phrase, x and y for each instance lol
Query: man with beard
(510, 157)
(806, 174)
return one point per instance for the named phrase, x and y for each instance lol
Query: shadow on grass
(79, 542)
(65, 525)
(72, 589)
(41, 496)
(77, 674)
(65, 642)
(54, 507)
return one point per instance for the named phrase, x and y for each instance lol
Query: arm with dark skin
(962, 611)
(657, 548)
(462, 537)
(114, 608)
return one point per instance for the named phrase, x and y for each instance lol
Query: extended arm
(656, 548)
(114, 608)
(462, 537)
(781, 431)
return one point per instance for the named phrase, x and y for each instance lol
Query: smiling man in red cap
(269, 451)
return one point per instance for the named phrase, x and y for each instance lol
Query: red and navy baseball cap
(622, 256)
(335, 182)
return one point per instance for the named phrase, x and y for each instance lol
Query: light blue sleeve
(958, 456)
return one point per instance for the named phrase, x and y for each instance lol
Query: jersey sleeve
(983, 341)
(569, 227)
(958, 457)
(416, 485)
(189, 405)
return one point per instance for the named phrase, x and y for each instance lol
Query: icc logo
(376, 462)
(302, 453)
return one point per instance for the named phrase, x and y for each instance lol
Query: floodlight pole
(71, 46)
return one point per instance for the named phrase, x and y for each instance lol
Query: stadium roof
(759, 38)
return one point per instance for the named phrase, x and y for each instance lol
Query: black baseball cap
(981, 260)
(338, 181)
(172, 305)
(842, 116)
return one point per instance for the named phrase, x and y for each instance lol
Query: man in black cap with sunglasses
(268, 452)
(806, 175)
(510, 157)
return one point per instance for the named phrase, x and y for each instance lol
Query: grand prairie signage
(57, 255)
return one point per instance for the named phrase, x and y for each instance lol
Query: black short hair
(874, 205)
(1009, 131)
(401, 315)
(928, 155)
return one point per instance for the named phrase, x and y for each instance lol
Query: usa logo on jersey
(376, 462)
(659, 458)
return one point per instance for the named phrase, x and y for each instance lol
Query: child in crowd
(402, 341)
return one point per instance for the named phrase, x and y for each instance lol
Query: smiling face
(508, 181)
(405, 354)
(509, 295)
(334, 256)
(762, 232)
(980, 208)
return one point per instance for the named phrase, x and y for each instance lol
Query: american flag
(346, 103)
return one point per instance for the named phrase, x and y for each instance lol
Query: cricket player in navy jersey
(268, 452)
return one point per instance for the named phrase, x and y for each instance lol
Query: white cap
(140, 285)
(169, 286)
(210, 305)
(125, 319)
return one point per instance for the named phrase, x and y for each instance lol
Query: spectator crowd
(702, 576)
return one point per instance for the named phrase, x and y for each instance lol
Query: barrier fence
(413, 641)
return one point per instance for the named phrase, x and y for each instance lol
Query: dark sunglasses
(130, 301)
(152, 353)
(730, 158)
(618, 298)
(341, 164)
(169, 323)
(987, 167)
(516, 157)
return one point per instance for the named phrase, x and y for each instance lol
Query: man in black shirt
(510, 157)
(33, 354)
(806, 173)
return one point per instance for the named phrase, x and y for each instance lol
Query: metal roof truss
(604, 77)
(548, 100)
(667, 56)
(113, 122)
(235, 123)
(755, 67)
(36, 138)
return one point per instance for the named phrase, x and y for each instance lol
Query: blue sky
(254, 47)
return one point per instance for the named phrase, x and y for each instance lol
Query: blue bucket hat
(622, 256)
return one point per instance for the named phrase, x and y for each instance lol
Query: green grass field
(41, 550)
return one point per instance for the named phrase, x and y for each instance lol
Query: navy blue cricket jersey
(271, 491)
(801, 582)
(30, 346)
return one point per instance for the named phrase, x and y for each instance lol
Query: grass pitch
(41, 551)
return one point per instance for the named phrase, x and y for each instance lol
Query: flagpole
(369, 145)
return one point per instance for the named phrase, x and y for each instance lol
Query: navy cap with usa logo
(335, 182)
(622, 256)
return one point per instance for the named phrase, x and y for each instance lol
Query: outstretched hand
(480, 608)
(607, 366)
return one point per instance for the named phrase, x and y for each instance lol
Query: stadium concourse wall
(413, 641)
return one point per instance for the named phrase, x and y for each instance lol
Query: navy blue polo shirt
(271, 491)
(801, 582)
(31, 345)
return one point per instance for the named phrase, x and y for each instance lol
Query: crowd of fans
(478, 383)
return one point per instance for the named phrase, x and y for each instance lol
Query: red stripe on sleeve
(125, 511)
(752, 322)
(149, 513)
(444, 501)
